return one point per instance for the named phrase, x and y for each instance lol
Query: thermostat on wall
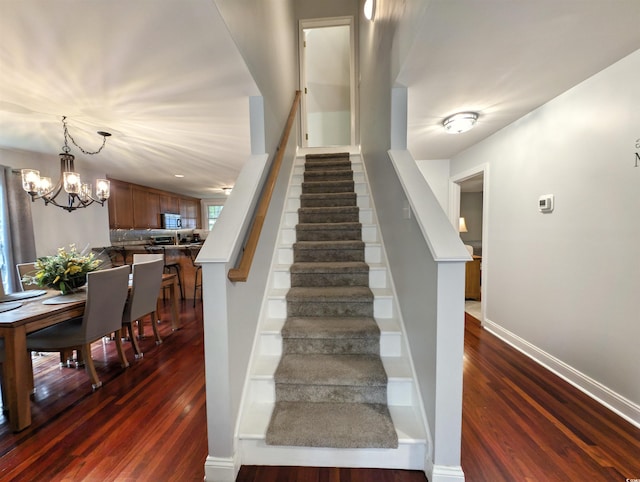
(545, 203)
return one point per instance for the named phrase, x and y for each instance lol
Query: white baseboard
(444, 473)
(218, 469)
(600, 393)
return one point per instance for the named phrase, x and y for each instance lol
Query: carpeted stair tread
(330, 294)
(329, 267)
(329, 199)
(325, 156)
(310, 187)
(327, 164)
(347, 231)
(335, 370)
(328, 175)
(335, 327)
(337, 425)
(328, 226)
(331, 214)
(338, 244)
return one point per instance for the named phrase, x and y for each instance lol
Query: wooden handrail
(241, 272)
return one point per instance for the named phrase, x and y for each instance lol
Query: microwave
(171, 221)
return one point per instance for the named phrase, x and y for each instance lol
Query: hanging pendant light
(79, 194)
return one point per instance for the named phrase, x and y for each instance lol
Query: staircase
(329, 370)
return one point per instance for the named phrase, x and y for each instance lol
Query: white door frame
(320, 23)
(454, 217)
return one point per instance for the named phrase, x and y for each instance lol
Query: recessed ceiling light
(460, 122)
(179, 175)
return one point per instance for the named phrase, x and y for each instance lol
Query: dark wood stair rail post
(241, 272)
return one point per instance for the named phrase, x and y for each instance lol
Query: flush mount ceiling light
(460, 122)
(78, 193)
(227, 190)
(370, 9)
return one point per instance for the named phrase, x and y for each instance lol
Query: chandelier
(79, 194)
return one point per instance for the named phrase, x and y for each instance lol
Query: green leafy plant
(65, 271)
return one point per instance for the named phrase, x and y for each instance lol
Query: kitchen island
(182, 254)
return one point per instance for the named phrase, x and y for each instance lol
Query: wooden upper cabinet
(169, 204)
(190, 212)
(120, 206)
(146, 208)
(138, 207)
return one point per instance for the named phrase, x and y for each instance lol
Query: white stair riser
(281, 279)
(409, 456)
(277, 308)
(293, 204)
(399, 392)
(383, 307)
(377, 278)
(287, 237)
(373, 253)
(366, 216)
(390, 344)
(369, 233)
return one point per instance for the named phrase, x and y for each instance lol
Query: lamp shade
(463, 226)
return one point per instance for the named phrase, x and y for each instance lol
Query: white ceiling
(503, 59)
(165, 78)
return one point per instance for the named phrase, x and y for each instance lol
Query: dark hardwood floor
(148, 422)
(522, 422)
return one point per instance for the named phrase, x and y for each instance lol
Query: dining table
(23, 313)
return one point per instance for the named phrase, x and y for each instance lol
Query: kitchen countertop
(143, 246)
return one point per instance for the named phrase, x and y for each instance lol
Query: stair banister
(241, 272)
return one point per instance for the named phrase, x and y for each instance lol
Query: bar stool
(168, 267)
(193, 253)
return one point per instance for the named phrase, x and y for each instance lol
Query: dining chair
(2, 376)
(143, 299)
(27, 269)
(168, 266)
(107, 292)
(197, 283)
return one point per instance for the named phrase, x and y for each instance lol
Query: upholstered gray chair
(145, 287)
(107, 292)
(4, 401)
(24, 269)
(144, 258)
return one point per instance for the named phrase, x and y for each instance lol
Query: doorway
(469, 200)
(327, 73)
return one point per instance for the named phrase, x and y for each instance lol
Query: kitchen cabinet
(169, 203)
(189, 209)
(146, 208)
(120, 206)
(132, 206)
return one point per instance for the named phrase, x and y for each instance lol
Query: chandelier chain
(66, 149)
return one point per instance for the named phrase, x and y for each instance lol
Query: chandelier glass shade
(78, 194)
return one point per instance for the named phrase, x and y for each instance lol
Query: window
(213, 212)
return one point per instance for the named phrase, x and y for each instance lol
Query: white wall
(53, 227)
(436, 172)
(568, 282)
(265, 33)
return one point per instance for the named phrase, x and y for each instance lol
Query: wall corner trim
(442, 473)
(220, 469)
